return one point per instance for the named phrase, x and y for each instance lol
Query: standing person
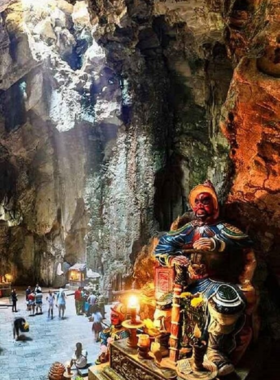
(101, 304)
(50, 298)
(78, 301)
(91, 300)
(97, 322)
(19, 324)
(84, 297)
(61, 303)
(39, 301)
(14, 300)
(27, 292)
(31, 303)
(38, 288)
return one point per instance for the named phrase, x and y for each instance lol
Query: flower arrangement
(197, 302)
(193, 316)
(149, 328)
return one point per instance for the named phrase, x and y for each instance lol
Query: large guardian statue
(215, 259)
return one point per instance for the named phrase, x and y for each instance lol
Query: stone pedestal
(125, 364)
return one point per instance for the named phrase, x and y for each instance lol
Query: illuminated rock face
(111, 113)
(251, 122)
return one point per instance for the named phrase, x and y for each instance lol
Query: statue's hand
(204, 244)
(179, 260)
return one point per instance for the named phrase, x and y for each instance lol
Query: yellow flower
(196, 302)
(185, 294)
(148, 323)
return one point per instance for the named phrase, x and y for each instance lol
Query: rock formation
(112, 110)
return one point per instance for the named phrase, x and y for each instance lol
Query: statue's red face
(115, 319)
(204, 207)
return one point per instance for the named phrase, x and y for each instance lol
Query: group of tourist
(91, 304)
(34, 300)
(86, 302)
(95, 313)
(104, 335)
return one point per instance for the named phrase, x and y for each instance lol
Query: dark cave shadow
(232, 376)
(254, 218)
(169, 196)
(23, 338)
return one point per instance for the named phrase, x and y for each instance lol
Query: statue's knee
(225, 307)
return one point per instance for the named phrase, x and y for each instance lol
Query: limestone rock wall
(112, 110)
(251, 122)
(45, 118)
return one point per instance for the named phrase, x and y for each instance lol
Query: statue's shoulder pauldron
(187, 228)
(232, 232)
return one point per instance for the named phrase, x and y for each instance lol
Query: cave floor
(31, 357)
(47, 341)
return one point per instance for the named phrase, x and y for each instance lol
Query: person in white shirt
(61, 303)
(37, 288)
(50, 298)
(92, 301)
(79, 357)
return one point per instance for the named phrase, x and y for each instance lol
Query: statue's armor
(224, 263)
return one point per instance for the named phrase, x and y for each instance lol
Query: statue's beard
(204, 217)
(202, 214)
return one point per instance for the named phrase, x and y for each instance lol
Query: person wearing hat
(19, 324)
(211, 253)
(115, 332)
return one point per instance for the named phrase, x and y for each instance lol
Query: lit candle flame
(196, 332)
(132, 302)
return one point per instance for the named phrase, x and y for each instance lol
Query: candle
(196, 334)
(143, 346)
(155, 346)
(133, 311)
(143, 340)
(132, 308)
(199, 349)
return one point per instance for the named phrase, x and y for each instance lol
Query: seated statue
(216, 260)
(115, 332)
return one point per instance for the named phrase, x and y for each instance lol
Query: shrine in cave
(111, 112)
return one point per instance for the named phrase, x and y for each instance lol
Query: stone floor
(47, 341)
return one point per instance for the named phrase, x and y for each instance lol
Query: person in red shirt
(78, 301)
(31, 302)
